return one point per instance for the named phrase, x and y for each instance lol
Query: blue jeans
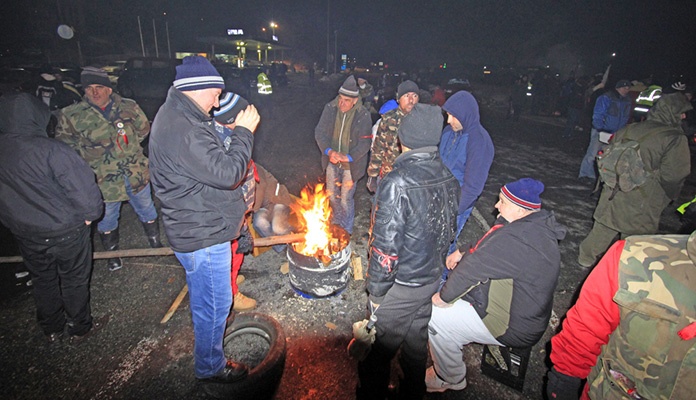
(210, 296)
(341, 188)
(573, 116)
(587, 167)
(142, 205)
(461, 220)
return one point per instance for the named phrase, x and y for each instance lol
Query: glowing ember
(316, 218)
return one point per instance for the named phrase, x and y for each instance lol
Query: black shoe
(97, 325)
(232, 372)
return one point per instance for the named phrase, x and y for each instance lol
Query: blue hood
(463, 106)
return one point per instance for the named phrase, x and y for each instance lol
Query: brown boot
(243, 303)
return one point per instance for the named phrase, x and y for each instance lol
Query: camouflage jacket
(649, 355)
(385, 148)
(110, 146)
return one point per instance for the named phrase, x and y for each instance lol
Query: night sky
(648, 37)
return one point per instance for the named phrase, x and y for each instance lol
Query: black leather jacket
(414, 220)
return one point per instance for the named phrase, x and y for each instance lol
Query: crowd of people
(631, 332)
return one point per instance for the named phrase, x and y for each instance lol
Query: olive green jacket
(111, 146)
(665, 153)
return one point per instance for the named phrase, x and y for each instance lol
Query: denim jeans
(210, 295)
(341, 188)
(587, 167)
(461, 220)
(142, 205)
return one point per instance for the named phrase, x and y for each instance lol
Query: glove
(561, 386)
(371, 184)
(364, 335)
(245, 242)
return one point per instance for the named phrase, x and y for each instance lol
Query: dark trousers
(402, 323)
(60, 269)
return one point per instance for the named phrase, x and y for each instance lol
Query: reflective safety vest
(264, 84)
(647, 98)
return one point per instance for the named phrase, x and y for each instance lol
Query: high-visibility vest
(264, 84)
(647, 98)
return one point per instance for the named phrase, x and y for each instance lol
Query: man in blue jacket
(611, 113)
(195, 176)
(467, 150)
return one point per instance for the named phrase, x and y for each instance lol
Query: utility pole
(335, 49)
(154, 33)
(328, 35)
(140, 30)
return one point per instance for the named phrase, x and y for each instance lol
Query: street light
(273, 26)
(273, 37)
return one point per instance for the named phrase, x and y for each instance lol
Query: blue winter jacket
(467, 153)
(611, 112)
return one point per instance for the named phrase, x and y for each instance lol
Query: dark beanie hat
(230, 105)
(623, 83)
(421, 127)
(197, 73)
(349, 87)
(406, 87)
(94, 76)
(524, 193)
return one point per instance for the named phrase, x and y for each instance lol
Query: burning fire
(315, 213)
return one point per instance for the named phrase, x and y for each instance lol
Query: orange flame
(315, 213)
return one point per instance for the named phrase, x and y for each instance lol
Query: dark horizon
(649, 38)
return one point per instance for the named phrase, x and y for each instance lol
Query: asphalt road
(136, 357)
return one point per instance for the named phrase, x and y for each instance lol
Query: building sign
(235, 32)
(344, 62)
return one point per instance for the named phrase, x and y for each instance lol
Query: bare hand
(334, 157)
(88, 223)
(248, 118)
(438, 302)
(453, 259)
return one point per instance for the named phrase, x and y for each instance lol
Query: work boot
(152, 232)
(110, 242)
(243, 303)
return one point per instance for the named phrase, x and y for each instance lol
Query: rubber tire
(262, 381)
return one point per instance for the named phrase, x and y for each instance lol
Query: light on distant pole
(273, 37)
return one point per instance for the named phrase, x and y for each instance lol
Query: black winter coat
(414, 219)
(46, 188)
(195, 177)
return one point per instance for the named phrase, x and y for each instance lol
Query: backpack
(621, 166)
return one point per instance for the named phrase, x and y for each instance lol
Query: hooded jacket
(665, 153)
(46, 188)
(511, 276)
(611, 112)
(195, 176)
(467, 153)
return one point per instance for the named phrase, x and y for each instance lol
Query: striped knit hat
(524, 193)
(197, 73)
(230, 105)
(349, 87)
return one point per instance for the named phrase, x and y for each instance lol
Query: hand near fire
(248, 118)
(336, 157)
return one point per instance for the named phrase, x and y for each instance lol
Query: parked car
(238, 80)
(147, 77)
(456, 84)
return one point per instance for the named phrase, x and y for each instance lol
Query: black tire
(263, 379)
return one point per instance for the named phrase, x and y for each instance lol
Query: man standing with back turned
(193, 174)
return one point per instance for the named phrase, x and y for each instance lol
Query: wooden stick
(175, 305)
(166, 251)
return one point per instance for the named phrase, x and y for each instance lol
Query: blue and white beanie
(197, 73)
(230, 106)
